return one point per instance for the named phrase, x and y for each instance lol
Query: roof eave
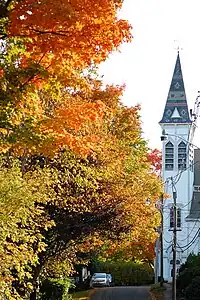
(192, 219)
(172, 123)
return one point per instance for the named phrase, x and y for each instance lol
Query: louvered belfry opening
(169, 156)
(182, 156)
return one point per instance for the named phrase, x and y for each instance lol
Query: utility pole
(174, 248)
(161, 244)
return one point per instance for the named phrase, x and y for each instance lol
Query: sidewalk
(168, 291)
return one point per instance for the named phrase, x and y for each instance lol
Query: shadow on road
(121, 293)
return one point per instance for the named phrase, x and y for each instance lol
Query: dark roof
(176, 108)
(195, 204)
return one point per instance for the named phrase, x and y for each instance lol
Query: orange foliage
(63, 38)
(1, 73)
(71, 128)
(82, 31)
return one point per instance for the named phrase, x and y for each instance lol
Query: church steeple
(176, 108)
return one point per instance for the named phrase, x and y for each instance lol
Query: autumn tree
(52, 50)
(136, 182)
(92, 203)
(22, 226)
(83, 162)
(43, 78)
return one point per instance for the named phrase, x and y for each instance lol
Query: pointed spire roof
(176, 108)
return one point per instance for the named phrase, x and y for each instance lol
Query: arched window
(169, 156)
(182, 155)
(178, 217)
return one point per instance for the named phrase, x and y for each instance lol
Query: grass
(82, 295)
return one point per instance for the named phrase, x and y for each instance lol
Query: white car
(99, 279)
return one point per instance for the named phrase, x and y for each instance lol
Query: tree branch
(4, 8)
(50, 32)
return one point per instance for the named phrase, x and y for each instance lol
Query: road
(121, 293)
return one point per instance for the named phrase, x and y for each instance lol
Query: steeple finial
(177, 48)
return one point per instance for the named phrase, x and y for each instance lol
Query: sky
(146, 64)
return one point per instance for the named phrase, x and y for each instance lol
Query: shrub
(192, 292)
(55, 289)
(188, 271)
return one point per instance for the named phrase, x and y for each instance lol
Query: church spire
(176, 108)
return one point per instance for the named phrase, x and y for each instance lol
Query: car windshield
(99, 276)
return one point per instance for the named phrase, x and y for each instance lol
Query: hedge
(55, 289)
(188, 281)
(127, 273)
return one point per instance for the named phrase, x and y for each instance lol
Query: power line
(191, 242)
(193, 247)
(168, 242)
(171, 183)
(180, 173)
(190, 231)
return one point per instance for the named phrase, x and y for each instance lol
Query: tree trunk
(36, 282)
(33, 294)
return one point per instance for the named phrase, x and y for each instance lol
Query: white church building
(180, 174)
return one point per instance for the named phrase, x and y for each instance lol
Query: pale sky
(146, 65)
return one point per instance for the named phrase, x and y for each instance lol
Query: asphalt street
(121, 293)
